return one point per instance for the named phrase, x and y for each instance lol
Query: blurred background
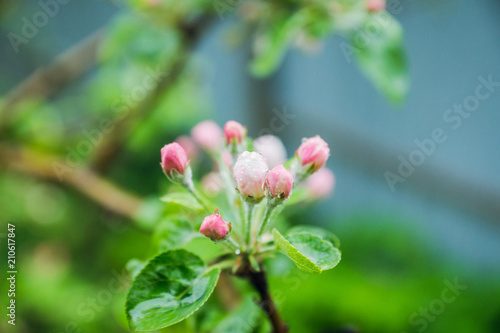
(406, 243)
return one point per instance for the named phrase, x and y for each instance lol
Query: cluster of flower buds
(253, 179)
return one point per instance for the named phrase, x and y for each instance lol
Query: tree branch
(46, 81)
(82, 179)
(259, 281)
(112, 145)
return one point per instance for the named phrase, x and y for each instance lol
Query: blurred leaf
(183, 200)
(244, 319)
(149, 213)
(170, 288)
(381, 56)
(172, 233)
(204, 248)
(299, 195)
(133, 37)
(272, 42)
(317, 231)
(309, 252)
(185, 326)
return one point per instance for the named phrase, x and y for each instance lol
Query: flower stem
(230, 242)
(195, 194)
(267, 217)
(248, 233)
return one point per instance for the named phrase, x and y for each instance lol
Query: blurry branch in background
(112, 144)
(48, 80)
(83, 179)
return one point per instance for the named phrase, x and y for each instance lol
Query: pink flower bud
(189, 146)
(207, 135)
(375, 5)
(249, 173)
(321, 183)
(279, 182)
(215, 228)
(271, 148)
(313, 153)
(173, 159)
(234, 132)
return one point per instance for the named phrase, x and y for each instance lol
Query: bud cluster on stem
(248, 181)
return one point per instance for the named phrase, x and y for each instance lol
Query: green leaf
(170, 288)
(381, 56)
(182, 200)
(272, 43)
(172, 233)
(309, 252)
(135, 266)
(320, 232)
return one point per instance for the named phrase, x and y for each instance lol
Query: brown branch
(259, 282)
(82, 179)
(45, 81)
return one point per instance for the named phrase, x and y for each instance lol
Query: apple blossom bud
(215, 228)
(234, 132)
(321, 183)
(375, 5)
(272, 148)
(189, 146)
(249, 173)
(173, 160)
(313, 153)
(207, 135)
(279, 183)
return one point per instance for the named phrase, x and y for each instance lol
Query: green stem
(230, 242)
(193, 192)
(267, 217)
(267, 249)
(223, 264)
(249, 210)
